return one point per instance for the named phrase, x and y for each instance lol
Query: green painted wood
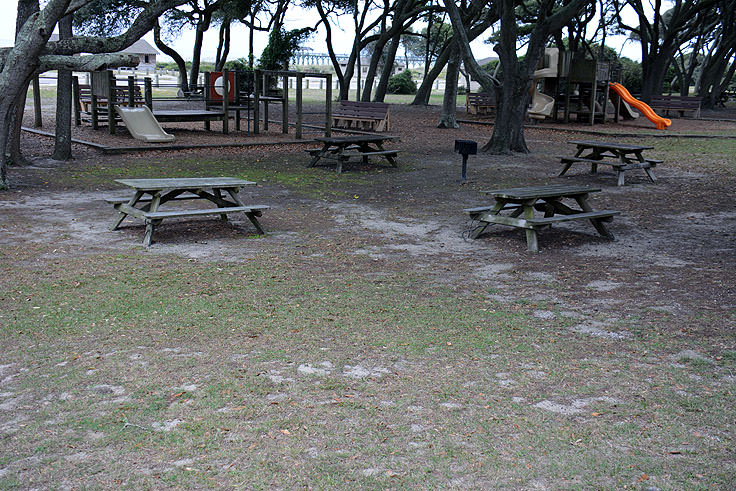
(125, 199)
(183, 183)
(538, 192)
(160, 215)
(377, 152)
(342, 140)
(576, 216)
(609, 146)
(504, 220)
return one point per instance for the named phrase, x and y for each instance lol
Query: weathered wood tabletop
(547, 199)
(342, 148)
(623, 157)
(150, 194)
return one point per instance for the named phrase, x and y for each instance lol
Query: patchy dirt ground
(599, 324)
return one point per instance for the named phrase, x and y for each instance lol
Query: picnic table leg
(597, 222)
(531, 234)
(390, 158)
(317, 156)
(122, 214)
(482, 226)
(647, 168)
(233, 192)
(620, 177)
(151, 224)
(148, 236)
(218, 194)
(340, 160)
(565, 169)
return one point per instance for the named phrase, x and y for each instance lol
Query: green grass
(151, 327)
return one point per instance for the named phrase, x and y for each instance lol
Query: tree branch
(86, 63)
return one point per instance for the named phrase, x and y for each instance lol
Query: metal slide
(143, 125)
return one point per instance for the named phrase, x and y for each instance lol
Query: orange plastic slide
(662, 123)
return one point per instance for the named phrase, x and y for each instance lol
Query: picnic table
(342, 148)
(150, 194)
(622, 157)
(522, 203)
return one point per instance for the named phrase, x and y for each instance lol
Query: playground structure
(142, 125)
(246, 92)
(662, 123)
(565, 84)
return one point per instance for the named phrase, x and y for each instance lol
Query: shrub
(402, 83)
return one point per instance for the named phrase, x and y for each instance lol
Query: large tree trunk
(382, 86)
(654, 73)
(425, 88)
(167, 50)
(370, 76)
(223, 47)
(202, 26)
(508, 128)
(26, 8)
(512, 95)
(449, 102)
(63, 137)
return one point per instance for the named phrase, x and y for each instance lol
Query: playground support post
(225, 102)
(299, 90)
(131, 91)
(264, 84)
(257, 102)
(328, 106)
(206, 94)
(111, 99)
(37, 119)
(148, 93)
(77, 102)
(285, 105)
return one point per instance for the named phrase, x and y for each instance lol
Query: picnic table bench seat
(158, 215)
(648, 162)
(479, 102)
(372, 116)
(680, 104)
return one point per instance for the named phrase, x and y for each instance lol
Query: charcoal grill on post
(465, 148)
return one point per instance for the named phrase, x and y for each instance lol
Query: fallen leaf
(643, 477)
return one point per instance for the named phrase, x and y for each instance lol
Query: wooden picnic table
(621, 156)
(342, 148)
(150, 194)
(522, 203)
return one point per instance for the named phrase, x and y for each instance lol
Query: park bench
(479, 102)
(681, 104)
(372, 116)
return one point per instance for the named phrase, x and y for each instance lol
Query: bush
(402, 83)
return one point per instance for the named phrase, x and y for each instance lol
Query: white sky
(296, 18)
